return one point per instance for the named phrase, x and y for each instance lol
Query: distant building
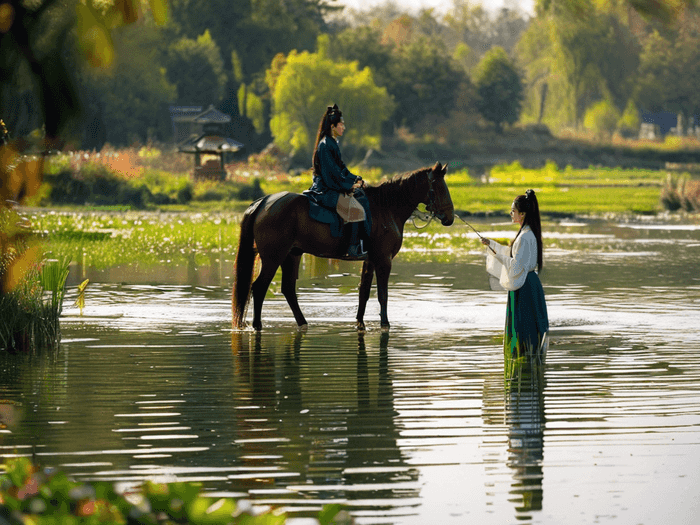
(182, 119)
(655, 126)
(206, 141)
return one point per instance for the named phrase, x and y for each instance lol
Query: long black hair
(331, 117)
(528, 205)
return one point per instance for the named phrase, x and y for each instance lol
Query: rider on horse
(331, 178)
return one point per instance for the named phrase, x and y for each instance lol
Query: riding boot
(356, 249)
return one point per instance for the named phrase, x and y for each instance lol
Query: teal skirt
(526, 320)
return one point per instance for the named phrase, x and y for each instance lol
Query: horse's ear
(437, 166)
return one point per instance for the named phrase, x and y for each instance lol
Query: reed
(30, 311)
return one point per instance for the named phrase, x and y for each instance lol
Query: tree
(499, 88)
(601, 118)
(307, 84)
(573, 61)
(127, 99)
(196, 68)
(424, 80)
(669, 77)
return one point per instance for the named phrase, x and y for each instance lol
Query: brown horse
(279, 229)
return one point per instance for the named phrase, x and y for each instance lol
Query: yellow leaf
(7, 16)
(19, 267)
(94, 38)
(160, 11)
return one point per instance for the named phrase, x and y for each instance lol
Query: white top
(512, 271)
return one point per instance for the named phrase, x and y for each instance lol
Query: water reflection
(323, 414)
(525, 419)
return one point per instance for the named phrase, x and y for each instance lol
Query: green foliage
(499, 87)
(630, 120)
(307, 83)
(572, 61)
(47, 496)
(124, 103)
(424, 81)
(34, 287)
(602, 118)
(680, 191)
(668, 76)
(252, 107)
(197, 69)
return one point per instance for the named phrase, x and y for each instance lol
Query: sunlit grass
(107, 239)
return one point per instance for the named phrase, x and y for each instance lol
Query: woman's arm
(512, 271)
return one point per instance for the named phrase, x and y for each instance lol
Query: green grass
(104, 239)
(594, 191)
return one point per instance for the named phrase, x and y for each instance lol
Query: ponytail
(528, 204)
(331, 117)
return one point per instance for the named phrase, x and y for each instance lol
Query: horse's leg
(365, 288)
(259, 288)
(290, 274)
(383, 271)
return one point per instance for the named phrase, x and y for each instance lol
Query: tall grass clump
(33, 289)
(30, 312)
(681, 192)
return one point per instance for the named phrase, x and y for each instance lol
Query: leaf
(328, 513)
(19, 267)
(94, 38)
(160, 10)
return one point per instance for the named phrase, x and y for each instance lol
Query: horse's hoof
(303, 328)
(385, 327)
(361, 326)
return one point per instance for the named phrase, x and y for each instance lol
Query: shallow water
(414, 426)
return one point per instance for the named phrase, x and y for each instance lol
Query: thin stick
(478, 234)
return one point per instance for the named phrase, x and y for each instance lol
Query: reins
(427, 216)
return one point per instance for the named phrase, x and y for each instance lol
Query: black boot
(356, 249)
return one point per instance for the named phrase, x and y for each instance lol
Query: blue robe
(326, 188)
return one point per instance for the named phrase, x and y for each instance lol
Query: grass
(104, 239)
(594, 191)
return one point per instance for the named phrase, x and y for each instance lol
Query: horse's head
(439, 199)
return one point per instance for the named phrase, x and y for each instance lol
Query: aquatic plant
(29, 494)
(681, 192)
(30, 311)
(32, 287)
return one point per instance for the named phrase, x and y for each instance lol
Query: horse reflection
(322, 425)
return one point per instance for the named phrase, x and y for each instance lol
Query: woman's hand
(485, 241)
(359, 184)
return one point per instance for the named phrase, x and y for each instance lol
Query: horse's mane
(396, 191)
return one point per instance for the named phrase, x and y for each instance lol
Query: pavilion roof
(209, 144)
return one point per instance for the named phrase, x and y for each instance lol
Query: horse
(279, 229)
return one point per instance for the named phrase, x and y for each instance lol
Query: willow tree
(571, 62)
(309, 82)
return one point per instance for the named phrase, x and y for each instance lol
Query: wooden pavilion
(210, 146)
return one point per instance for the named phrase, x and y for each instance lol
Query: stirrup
(357, 251)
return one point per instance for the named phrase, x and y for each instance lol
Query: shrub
(681, 192)
(33, 495)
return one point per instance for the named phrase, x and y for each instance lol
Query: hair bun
(529, 194)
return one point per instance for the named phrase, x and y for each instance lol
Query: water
(411, 427)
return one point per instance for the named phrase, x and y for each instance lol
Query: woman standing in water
(516, 268)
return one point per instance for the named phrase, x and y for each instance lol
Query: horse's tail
(243, 267)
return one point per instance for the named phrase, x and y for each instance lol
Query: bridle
(430, 212)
